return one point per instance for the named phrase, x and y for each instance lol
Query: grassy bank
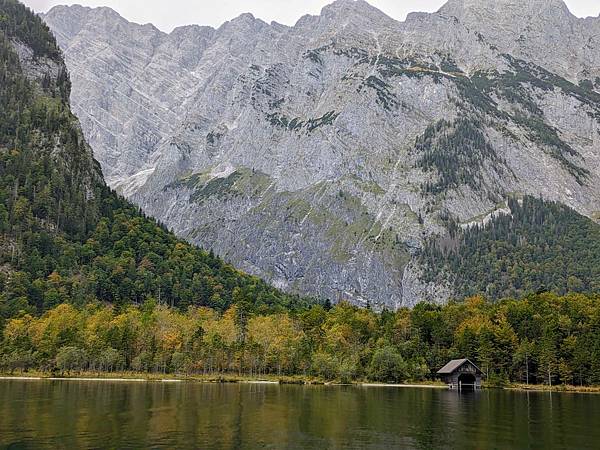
(144, 376)
(272, 379)
(199, 378)
(556, 388)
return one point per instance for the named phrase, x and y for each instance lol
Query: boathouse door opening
(467, 381)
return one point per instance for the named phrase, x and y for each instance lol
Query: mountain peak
(505, 7)
(245, 21)
(340, 9)
(77, 15)
(245, 17)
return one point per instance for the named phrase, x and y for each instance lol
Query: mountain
(543, 32)
(64, 235)
(331, 157)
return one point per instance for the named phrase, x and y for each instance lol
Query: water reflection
(70, 414)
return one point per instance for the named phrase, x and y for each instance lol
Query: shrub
(387, 365)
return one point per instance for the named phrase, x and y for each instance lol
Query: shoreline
(157, 378)
(563, 389)
(225, 379)
(387, 385)
(205, 379)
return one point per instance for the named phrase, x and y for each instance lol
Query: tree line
(542, 338)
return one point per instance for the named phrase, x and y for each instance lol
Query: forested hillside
(64, 235)
(538, 246)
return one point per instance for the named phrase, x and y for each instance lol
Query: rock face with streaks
(320, 156)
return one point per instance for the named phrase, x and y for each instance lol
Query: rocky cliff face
(321, 156)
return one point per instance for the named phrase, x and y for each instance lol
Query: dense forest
(542, 338)
(539, 246)
(64, 235)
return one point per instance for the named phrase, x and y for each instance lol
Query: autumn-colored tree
(542, 338)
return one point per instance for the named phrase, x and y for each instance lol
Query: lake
(107, 414)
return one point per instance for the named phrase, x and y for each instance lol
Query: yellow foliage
(221, 328)
(18, 329)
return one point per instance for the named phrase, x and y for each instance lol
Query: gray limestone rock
(320, 156)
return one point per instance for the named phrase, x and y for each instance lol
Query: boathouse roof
(454, 365)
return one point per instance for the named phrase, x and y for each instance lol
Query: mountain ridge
(323, 156)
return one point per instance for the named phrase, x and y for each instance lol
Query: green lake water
(123, 415)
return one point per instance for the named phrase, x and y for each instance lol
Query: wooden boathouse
(461, 374)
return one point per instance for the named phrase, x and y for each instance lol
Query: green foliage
(20, 23)
(69, 247)
(218, 187)
(385, 96)
(110, 360)
(542, 338)
(540, 132)
(297, 124)
(540, 246)
(387, 365)
(525, 72)
(515, 87)
(71, 358)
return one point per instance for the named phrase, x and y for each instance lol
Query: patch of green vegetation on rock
(385, 96)
(478, 94)
(351, 52)
(219, 187)
(457, 152)
(449, 65)
(297, 208)
(243, 181)
(547, 136)
(345, 224)
(325, 119)
(360, 232)
(368, 186)
(545, 80)
(191, 181)
(389, 67)
(297, 124)
(515, 87)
